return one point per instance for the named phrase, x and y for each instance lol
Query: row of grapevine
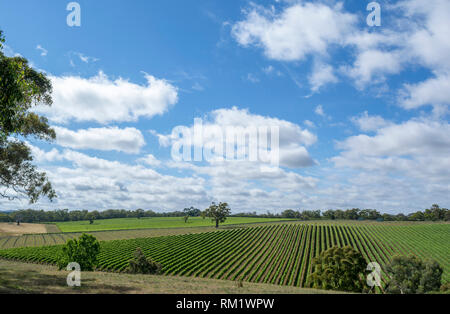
(278, 254)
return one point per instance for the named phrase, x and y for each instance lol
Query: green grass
(157, 222)
(278, 254)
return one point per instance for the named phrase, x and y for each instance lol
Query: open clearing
(277, 254)
(16, 277)
(12, 229)
(154, 222)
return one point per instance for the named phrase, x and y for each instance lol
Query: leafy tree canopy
(22, 88)
(218, 212)
(83, 251)
(339, 269)
(410, 275)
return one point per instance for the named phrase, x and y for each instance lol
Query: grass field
(157, 222)
(278, 254)
(16, 277)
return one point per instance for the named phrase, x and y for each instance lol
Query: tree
(83, 251)
(192, 211)
(140, 213)
(340, 269)
(91, 218)
(409, 275)
(21, 88)
(289, 213)
(218, 213)
(140, 264)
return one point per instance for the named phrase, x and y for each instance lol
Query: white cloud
(304, 29)
(299, 30)
(416, 148)
(128, 140)
(322, 75)
(434, 91)
(252, 78)
(43, 51)
(372, 66)
(292, 142)
(319, 111)
(100, 99)
(150, 160)
(309, 124)
(369, 123)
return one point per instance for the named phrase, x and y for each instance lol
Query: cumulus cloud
(303, 29)
(128, 140)
(100, 99)
(294, 33)
(292, 138)
(322, 75)
(434, 91)
(150, 160)
(416, 148)
(369, 123)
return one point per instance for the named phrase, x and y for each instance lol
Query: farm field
(12, 229)
(55, 237)
(154, 222)
(277, 254)
(35, 240)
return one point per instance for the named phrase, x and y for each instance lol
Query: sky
(362, 110)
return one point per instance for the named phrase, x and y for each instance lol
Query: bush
(339, 269)
(410, 275)
(140, 264)
(83, 251)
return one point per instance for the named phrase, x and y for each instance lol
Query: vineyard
(277, 254)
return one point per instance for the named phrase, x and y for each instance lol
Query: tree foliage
(410, 275)
(21, 88)
(340, 269)
(83, 251)
(218, 212)
(140, 264)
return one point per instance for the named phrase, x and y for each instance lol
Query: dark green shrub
(410, 275)
(340, 269)
(140, 264)
(83, 251)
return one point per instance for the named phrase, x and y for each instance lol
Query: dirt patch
(24, 228)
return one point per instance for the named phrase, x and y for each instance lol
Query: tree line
(435, 213)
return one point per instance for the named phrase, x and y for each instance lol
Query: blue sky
(362, 111)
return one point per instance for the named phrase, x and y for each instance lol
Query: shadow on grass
(34, 282)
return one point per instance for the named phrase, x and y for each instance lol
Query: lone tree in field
(140, 264)
(83, 251)
(410, 275)
(22, 88)
(340, 269)
(218, 212)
